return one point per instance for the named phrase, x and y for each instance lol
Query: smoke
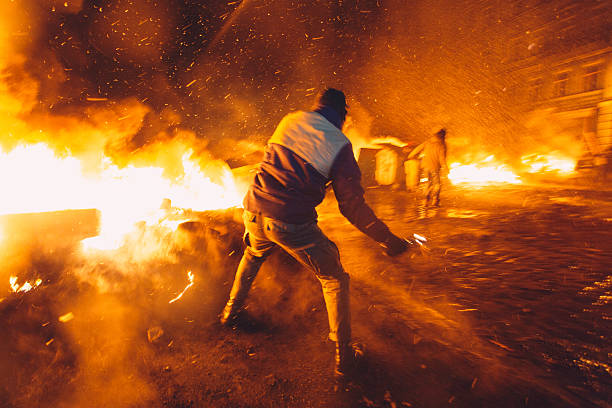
(90, 320)
(55, 56)
(106, 329)
(358, 127)
(225, 72)
(548, 133)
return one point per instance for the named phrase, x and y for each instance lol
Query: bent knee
(334, 274)
(253, 256)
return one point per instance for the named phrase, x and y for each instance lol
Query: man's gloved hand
(395, 245)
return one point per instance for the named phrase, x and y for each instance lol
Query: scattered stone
(367, 402)
(271, 380)
(154, 333)
(389, 400)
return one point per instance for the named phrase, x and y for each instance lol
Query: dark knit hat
(334, 98)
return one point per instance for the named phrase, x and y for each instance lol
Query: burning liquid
(37, 180)
(485, 172)
(553, 162)
(489, 171)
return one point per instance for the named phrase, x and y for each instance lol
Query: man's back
(297, 165)
(307, 152)
(434, 154)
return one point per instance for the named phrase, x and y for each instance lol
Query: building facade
(560, 52)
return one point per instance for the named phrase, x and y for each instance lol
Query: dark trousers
(308, 245)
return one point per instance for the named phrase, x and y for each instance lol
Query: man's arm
(416, 151)
(443, 162)
(346, 182)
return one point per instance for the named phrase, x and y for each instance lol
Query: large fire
(552, 162)
(37, 179)
(485, 172)
(491, 171)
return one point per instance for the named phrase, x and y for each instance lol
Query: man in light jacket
(307, 153)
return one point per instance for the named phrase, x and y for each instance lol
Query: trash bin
(387, 162)
(367, 165)
(412, 168)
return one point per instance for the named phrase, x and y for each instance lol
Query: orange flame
(485, 172)
(26, 287)
(552, 162)
(190, 278)
(38, 180)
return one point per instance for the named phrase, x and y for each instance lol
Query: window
(592, 78)
(560, 84)
(535, 90)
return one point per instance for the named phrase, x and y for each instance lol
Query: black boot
(348, 356)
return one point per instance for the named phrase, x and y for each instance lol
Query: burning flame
(553, 162)
(65, 318)
(37, 180)
(485, 172)
(419, 238)
(26, 287)
(190, 278)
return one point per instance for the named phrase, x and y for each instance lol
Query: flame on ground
(485, 172)
(552, 162)
(26, 287)
(36, 180)
(489, 171)
(190, 278)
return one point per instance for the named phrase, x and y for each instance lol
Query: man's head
(441, 133)
(334, 99)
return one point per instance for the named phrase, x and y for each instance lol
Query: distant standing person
(433, 162)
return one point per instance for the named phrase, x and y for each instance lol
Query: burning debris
(190, 277)
(484, 172)
(26, 287)
(553, 162)
(65, 318)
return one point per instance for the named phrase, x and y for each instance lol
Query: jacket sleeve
(443, 162)
(346, 182)
(416, 151)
